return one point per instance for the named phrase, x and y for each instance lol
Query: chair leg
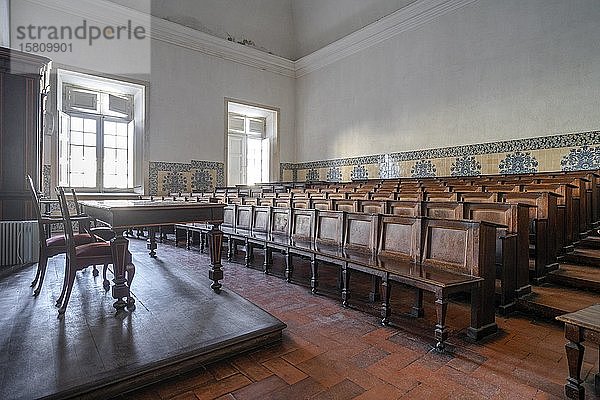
(64, 286)
(130, 273)
(39, 267)
(105, 282)
(63, 307)
(41, 273)
(95, 272)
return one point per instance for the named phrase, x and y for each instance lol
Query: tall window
(248, 150)
(96, 140)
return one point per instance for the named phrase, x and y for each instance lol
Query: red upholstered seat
(59, 240)
(95, 249)
(103, 233)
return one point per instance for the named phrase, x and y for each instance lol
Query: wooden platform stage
(179, 324)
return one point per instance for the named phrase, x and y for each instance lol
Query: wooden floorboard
(178, 324)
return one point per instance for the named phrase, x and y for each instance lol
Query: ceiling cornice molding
(169, 32)
(408, 18)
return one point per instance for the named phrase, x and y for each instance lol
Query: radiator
(19, 242)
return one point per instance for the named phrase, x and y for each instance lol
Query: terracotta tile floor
(331, 352)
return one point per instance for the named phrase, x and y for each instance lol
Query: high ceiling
(288, 28)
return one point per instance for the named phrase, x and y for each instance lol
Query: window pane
(254, 173)
(121, 142)
(90, 153)
(109, 181)
(121, 129)
(76, 156)
(110, 128)
(122, 156)
(89, 125)
(76, 138)
(109, 156)
(110, 141)
(89, 139)
(77, 124)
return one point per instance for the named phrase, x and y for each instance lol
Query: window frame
(139, 94)
(100, 119)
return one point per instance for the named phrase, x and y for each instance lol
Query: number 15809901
(46, 47)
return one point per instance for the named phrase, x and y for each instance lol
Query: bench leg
(575, 351)
(268, 260)
(483, 320)
(189, 239)
(151, 245)
(247, 255)
(230, 246)
(375, 283)
(345, 285)
(202, 241)
(597, 377)
(441, 333)
(417, 308)
(314, 275)
(289, 268)
(385, 305)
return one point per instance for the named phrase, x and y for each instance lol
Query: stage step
(578, 276)
(583, 256)
(590, 242)
(550, 300)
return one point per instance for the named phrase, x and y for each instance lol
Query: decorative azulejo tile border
(566, 152)
(46, 179)
(197, 176)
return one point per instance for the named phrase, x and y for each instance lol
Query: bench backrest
(372, 206)
(399, 237)
(406, 208)
(465, 247)
(303, 225)
(329, 227)
(280, 222)
(443, 209)
(360, 234)
(229, 216)
(321, 204)
(345, 205)
(243, 218)
(260, 219)
(300, 203)
(282, 202)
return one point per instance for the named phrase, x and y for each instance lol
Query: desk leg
(121, 264)
(597, 377)
(215, 243)
(575, 350)
(151, 245)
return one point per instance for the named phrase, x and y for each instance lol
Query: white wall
(268, 23)
(320, 22)
(187, 89)
(4, 23)
(493, 70)
(187, 103)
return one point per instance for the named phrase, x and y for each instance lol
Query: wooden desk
(120, 215)
(582, 325)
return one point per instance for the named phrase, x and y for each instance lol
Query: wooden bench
(543, 220)
(580, 326)
(423, 253)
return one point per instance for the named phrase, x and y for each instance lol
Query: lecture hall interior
(299, 199)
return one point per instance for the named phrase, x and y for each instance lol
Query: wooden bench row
(439, 256)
